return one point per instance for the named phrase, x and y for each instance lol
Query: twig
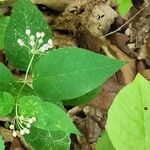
(110, 33)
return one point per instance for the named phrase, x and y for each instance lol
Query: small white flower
(20, 42)
(28, 32)
(12, 127)
(34, 119)
(40, 41)
(30, 121)
(42, 34)
(50, 43)
(32, 43)
(28, 125)
(22, 132)
(36, 44)
(42, 49)
(32, 37)
(38, 34)
(27, 131)
(23, 124)
(45, 46)
(50, 46)
(14, 133)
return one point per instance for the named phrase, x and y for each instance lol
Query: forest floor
(97, 26)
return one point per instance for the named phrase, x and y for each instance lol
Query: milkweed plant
(69, 76)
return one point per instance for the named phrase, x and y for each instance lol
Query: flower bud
(28, 32)
(12, 127)
(14, 133)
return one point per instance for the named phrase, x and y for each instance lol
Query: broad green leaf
(7, 103)
(5, 74)
(69, 73)
(2, 146)
(40, 139)
(124, 6)
(129, 117)
(14, 88)
(3, 24)
(9, 84)
(49, 116)
(83, 99)
(104, 142)
(57, 102)
(25, 16)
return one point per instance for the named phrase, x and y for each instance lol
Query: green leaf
(69, 73)
(124, 6)
(9, 84)
(2, 146)
(128, 118)
(3, 24)
(7, 103)
(43, 140)
(14, 88)
(25, 16)
(83, 99)
(49, 116)
(5, 74)
(104, 142)
(56, 102)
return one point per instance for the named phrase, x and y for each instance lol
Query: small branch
(110, 33)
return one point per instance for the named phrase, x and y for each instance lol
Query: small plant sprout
(34, 105)
(22, 125)
(35, 43)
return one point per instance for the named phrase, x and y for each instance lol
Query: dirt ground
(97, 26)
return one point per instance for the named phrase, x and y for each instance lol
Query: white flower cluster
(36, 42)
(23, 124)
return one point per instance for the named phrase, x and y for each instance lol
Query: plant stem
(28, 69)
(24, 83)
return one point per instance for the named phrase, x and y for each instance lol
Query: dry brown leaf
(146, 74)
(120, 40)
(129, 70)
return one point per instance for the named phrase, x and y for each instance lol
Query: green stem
(28, 69)
(25, 81)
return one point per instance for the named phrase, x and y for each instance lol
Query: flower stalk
(35, 44)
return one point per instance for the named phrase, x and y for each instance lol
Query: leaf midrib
(68, 73)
